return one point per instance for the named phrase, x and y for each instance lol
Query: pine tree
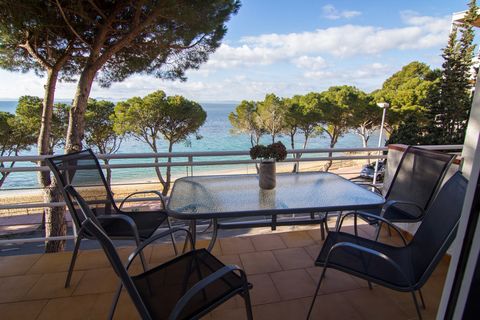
(450, 102)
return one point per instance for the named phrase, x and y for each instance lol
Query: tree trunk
(329, 163)
(76, 119)
(166, 187)
(55, 223)
(53, 218)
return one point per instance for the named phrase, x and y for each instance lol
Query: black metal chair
(83, 171)
(419, 174)
(187, 287)
(404, 268)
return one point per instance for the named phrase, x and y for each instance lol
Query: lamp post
(384, 106)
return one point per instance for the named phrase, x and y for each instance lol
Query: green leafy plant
(275, 151)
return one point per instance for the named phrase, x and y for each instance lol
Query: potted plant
(268, 156)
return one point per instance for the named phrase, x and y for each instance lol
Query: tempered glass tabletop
(239, 195)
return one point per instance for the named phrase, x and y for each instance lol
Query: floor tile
(334, 281)
(216, 250)
(17, 265)
(22, 310)
(125, 308)
(51, 263)
(373, 304)
(236, 245)
(284, 310)
(70, 308)
(293, 258)
(97, 281)
(264, 291)
(52, 285)
(332, 307)
(259, 262)
(231, 259)
(293, 284)
(313, 250)
(268, 242)
(15, 288)
(162, 253)
(296, 239)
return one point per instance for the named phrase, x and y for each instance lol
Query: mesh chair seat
(367, 266)
(147, 223)
(162, 287)
(394, 213)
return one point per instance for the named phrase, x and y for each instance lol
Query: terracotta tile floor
(279, 265)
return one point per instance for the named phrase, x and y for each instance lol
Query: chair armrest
(368, 251)
(393, 203)
(162, 198)
(128, 220)
(147, 242)
(375, 217)
(201, 285)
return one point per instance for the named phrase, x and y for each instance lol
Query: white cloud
(312, 63)
(419, 32)
(330, 12)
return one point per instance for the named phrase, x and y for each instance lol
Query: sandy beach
(347, 168)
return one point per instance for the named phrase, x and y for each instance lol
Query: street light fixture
(384, 106)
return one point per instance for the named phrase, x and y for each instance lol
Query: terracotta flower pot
(267, 174)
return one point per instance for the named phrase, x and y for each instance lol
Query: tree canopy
(156, 117)
(163, 38)
(13, 139)
(406, 91)
(245, 120)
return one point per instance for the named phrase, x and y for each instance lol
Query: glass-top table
(228, 196)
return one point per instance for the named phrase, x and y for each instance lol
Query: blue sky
(293, 47)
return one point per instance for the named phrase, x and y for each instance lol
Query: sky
(292, 47)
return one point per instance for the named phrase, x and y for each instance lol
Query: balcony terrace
(278, 264)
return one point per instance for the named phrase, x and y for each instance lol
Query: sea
(216, 135)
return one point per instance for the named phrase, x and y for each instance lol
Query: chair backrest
(91, 226)
(82, 171)
(418, 176)
(438, 229)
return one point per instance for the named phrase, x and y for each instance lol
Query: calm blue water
(216, 137)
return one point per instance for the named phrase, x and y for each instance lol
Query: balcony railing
(189, 160)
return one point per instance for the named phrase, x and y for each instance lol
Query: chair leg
(248, 304)
(322, 230)
(174, 243)
(142, 256)
(416, 305)
(72, 261)
(316, 291)
(116, 296)
(377, 232)
(421, 298)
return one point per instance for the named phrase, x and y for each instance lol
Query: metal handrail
(190, 163)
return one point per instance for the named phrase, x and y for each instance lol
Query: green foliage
(336, 104)
(271, 115)
(13, 139)
(33, 36)
(157, 116)
(99, 121)
(450, 102)
(407, 91)
(29, 114)
(275, 151)
(302, 117)
(245, 121)
(408, 132)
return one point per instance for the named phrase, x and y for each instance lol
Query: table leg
(193, 231)
(214, 236)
